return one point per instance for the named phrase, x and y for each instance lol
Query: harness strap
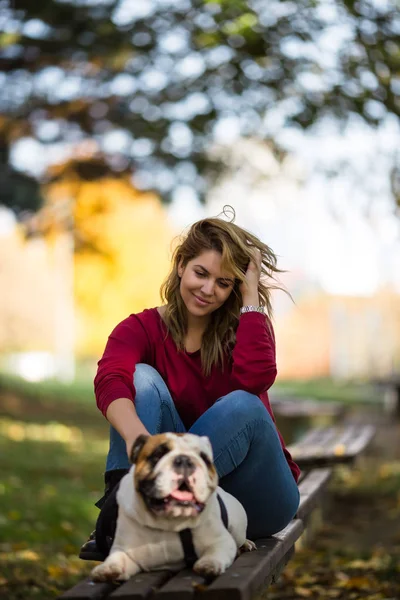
(189, 552)
(186, 537)
(224, 512)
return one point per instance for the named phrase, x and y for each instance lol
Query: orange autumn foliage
(122, 248)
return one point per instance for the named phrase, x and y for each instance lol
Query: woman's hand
(249, 286)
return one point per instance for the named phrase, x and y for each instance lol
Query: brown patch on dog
(209, 464)
(213, 471)
(144, 465)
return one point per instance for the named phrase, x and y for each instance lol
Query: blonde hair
(236, 246)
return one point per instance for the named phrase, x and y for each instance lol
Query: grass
(52, 451)
(79, 391)
(53, 444)
(328, 389)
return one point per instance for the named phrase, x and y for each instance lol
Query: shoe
(89, 550)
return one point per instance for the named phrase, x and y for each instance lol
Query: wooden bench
(251, 572)
(329, 446)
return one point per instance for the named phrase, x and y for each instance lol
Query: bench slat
(322, 447)
(255, 570)
(181, 587)
(363, 439)
(88, 590)
(141, 586)
(316, 437)
(311, 489)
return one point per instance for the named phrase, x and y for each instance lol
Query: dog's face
(174, 473)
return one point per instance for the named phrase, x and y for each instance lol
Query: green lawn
(327, 389)
(53, 443)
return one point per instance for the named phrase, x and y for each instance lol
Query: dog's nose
(183, 463)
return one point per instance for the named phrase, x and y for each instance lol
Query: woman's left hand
(249, 286)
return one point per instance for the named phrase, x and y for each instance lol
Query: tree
(157, 79)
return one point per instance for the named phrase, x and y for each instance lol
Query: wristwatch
(247, 309)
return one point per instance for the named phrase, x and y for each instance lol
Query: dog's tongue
(182, 495)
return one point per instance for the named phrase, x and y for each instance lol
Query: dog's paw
(248, 546)
(110, 570)
(209, 567)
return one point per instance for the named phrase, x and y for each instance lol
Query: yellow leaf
(303, 592)
(54, 571)
(339, 449)
(29, 555)
(357, 583)
(14, 515)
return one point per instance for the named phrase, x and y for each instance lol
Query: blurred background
(124, 121)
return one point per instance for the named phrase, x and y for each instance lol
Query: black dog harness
(186, 536)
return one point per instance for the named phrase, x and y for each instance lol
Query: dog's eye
(206, 459)
(158, 454)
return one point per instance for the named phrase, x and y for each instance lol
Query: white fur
(144, 541)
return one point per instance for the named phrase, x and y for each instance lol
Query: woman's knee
(148, 382)
(244, 406)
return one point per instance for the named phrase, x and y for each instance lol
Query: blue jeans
(247, 452)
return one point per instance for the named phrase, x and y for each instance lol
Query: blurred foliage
(329, 390)
(121, 243)
(49, 392)
(134, 236)
(163, 74)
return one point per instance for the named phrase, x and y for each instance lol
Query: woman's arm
(122, 415)
(254, 364)
(127, 346)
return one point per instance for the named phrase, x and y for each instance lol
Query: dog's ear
(137, 446)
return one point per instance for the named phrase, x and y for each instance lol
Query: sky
(340, 233)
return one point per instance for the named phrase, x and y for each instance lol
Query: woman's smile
(201, 300)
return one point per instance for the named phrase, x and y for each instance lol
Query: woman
(203, 362)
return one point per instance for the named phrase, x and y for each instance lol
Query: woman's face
(204, 286)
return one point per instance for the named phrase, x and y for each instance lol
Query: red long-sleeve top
(142, 338)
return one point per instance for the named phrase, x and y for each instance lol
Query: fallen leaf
(303, 592)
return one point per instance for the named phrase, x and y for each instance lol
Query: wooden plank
(362, 441)
(311, 490)
(141, 586)
(313, 437)
(322, 447)
(253, 571)
(88, 590)
(263, 591)
(332, 442)
(181, 587)
(315, 442)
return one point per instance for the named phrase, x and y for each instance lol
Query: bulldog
(170, 489)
